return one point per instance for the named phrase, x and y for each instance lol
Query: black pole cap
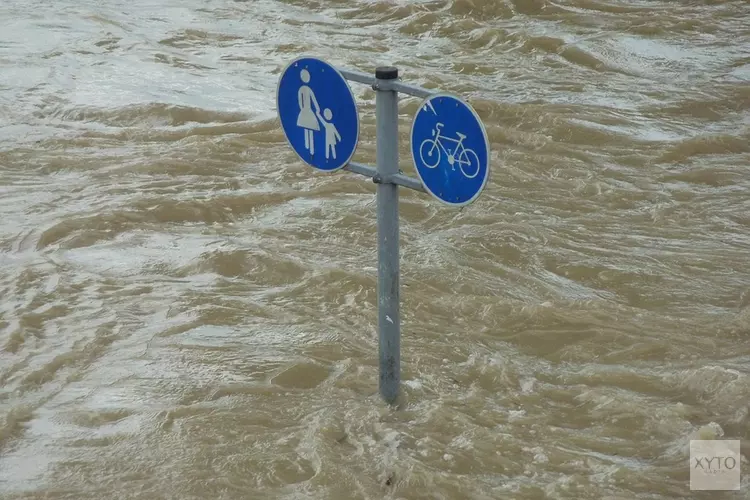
(386, 73)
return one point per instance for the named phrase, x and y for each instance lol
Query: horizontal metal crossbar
(398, 179)
(404, 88)
(395, 85)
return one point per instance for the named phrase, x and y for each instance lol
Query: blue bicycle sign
(431, 151)
(450, 149)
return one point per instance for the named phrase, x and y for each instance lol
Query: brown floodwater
(189, 312)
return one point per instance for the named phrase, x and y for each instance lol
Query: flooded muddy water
(189, 312)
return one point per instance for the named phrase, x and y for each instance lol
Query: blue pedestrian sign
(318, 113)
(450, 150)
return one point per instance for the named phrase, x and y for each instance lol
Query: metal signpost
(449, 147)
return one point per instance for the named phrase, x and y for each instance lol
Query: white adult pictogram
(307, 117)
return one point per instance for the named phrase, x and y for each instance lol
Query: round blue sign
(318, 113)
(450, 149)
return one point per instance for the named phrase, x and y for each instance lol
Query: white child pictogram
(331, 133)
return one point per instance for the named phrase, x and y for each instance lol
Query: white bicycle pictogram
(462, 155)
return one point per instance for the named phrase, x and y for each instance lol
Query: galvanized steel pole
(389, 321)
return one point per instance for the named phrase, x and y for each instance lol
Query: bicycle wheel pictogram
(429, 153)
(468, 163)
